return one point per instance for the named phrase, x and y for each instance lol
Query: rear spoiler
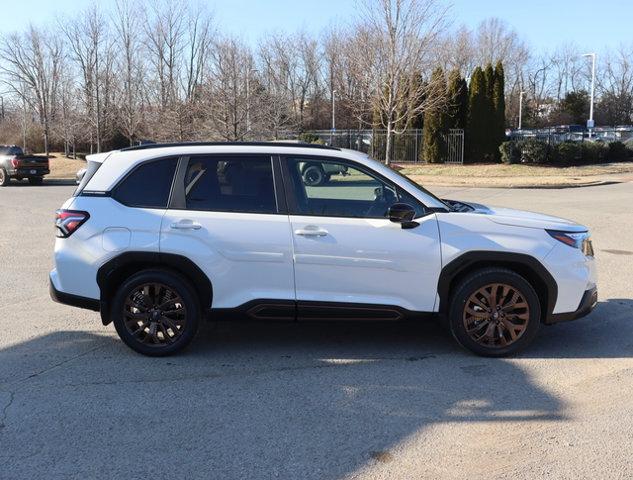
(98, 157)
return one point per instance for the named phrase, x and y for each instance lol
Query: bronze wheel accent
(154, 314)
(496, 315)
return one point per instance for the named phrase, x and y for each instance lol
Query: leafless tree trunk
(401, 36)
(31, 64)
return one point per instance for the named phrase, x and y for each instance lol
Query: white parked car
(158, 237)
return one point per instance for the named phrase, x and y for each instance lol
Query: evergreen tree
(458, 101)
(435, 124)
(499, 105)
(490, 141)
(477, 132)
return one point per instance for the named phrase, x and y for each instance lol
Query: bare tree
(31, 68)
(130, 68)
(615, 86)
(226, 92)
(401, 36)
(90, 47)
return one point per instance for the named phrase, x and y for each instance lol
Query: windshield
(418, 186)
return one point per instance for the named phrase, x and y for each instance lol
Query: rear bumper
(587, 304)
(73, 300)
(25, 172)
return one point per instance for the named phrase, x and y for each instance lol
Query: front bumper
(587, 304)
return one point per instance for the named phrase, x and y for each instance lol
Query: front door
(346, 250)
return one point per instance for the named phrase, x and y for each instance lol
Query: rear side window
(148, 185)
(89, 171)
(235, 183)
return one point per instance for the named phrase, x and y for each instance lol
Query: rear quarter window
(148, 185)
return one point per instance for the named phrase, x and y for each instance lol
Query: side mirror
(403, 214)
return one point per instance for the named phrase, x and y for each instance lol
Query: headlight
(581, 240)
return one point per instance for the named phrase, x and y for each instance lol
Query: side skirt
(288, 310)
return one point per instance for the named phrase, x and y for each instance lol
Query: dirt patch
(63, 167)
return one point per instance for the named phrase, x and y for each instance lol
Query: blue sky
(542, 23)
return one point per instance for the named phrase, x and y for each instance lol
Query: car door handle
(186, 225)
(311, 231)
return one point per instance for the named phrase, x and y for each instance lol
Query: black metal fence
(407, 146)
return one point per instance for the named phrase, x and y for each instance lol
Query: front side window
(148, 185)
(231, 183)
(336, 189)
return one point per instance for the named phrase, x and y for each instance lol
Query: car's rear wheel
(313, 175)
(156, 312)
(4, 177)
(36, 180)
(494, 312)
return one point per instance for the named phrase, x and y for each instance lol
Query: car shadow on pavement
(253, 401)
(280, 400)
(607, 332)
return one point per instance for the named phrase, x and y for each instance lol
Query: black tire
(507, 326)
(4, 177)
(143, 331)
(36, 180)
(313, 175)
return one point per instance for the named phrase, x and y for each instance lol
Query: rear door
(228, 215)
(346, 249)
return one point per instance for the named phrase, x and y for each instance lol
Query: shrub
(617, 152)
(567, 153)
(533, 151)
(510, 152)
(593, 152)
(308, 137)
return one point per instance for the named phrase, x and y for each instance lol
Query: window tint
(328, 188)
(148, 185)
(241, 183)
(6, 150)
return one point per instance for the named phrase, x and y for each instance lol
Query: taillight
(68, 221)
(15, 162)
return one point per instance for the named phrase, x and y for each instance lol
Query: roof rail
(219, 144)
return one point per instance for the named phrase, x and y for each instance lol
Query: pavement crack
(5, 410)
(243, 373)
(56, 365)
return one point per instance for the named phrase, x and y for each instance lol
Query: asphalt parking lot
(311, 401)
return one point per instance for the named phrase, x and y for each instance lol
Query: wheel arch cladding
(525, 265)
(115, 271)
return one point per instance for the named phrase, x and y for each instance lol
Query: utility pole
(521, 108)
(590, 122)
(333, 116)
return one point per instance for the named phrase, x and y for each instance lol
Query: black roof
(147, 146)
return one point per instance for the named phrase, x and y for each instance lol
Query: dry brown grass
(500, 175)
(502, 170)
(63, 167)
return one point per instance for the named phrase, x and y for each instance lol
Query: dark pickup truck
(14, 164)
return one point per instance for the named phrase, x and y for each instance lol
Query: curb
(553, 186)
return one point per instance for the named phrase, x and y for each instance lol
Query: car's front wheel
(156, 312)
(494, 312)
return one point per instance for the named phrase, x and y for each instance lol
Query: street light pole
(520, 108)
(333, 116)
(333, 110)
(590, 123)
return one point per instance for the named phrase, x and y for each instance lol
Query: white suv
(157, 237)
